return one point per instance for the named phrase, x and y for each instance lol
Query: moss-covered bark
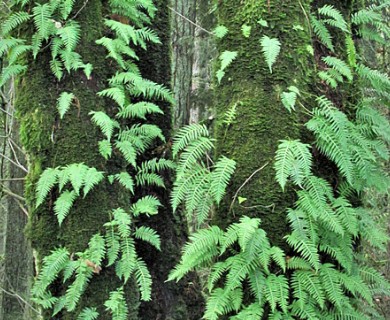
(51, 142)
(261, 118)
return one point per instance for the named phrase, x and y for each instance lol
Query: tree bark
(51, 142)
(16, 260)
(261, 120)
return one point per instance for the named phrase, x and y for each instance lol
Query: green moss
(261, 118)
(51, 142)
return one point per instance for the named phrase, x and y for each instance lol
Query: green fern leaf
(88, 314)
(11, 71)
(144, 280)
(116, 304)
(56, 68)
(271, 49)
(105, 149)
(220, 177)
(147, 205)
(322, 32)
(139, 110)
(149, 235)
(117, 94)
(63, 204)
(52, 265)
(70, 35)
(128, 151)
(64, 102)
(46, 182)
(13, 21)
(186, 135)
(92, 178)
(104, 122)
(126, 181)
(220, 31)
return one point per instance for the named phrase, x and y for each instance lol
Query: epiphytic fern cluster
(55, 28)
(249, 278)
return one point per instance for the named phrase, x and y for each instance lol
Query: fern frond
(305, 247)
(276, 291)
(147, 178)
(46, 182)
(63, 103)
(116, 304)
(220, 177)
(193, 152)
(63, 204)
(42, 17)
(92, 178)
(104, 122)
(311, 283)
(293, 159)
(147, 205)
(11, 71)
(115, 93)
(56, 68)
(149, 235)
(126, 181)
(322, 32)
(271, 49)
(144, 280)
(52, 265)
(186, 135)
(13, 21)
(105, 149)
(226, 57)
(128, 152)
(70, 35)
(139, 110)
(88, 314)
(339, 65)
(201, 248)
(337, 19)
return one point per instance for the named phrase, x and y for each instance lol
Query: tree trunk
(16, 261)
(261, 120)
(51, 142)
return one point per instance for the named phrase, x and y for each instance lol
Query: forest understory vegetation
(107, 176)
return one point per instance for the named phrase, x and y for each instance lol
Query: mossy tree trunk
(261, 120)
(51, 142)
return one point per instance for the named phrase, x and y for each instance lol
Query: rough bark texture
(169, 300)
(261, 118)
(183, 32)
(16, 261)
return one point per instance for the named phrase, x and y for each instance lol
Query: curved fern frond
(46, 182)
(104, 122)
(186, 135)
(148, 235)
(13, 21)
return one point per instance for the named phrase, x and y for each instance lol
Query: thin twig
(190, 21)
(13, 294)
(245, 182)
(9, 192)
(81, 9)
(13, 162)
